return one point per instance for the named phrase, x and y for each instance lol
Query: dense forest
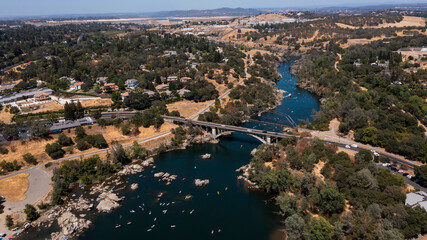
(343, 199)
(383, 105)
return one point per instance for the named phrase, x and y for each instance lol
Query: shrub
(54, 150)
(82, 145)
(4, 151)
(64, 140)
(31, 212)
(29, 158)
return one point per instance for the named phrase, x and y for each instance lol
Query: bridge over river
(217, 130)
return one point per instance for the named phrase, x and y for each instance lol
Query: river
(224, 209)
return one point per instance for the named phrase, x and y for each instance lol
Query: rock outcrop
(108, 202)
(201, 183)
(134, 186)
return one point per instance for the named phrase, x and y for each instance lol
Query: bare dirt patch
(187, 108)
(50, 106)
(97, 102)
(14, 188)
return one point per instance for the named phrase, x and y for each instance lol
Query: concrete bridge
(218, 130)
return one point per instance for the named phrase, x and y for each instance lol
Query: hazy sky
(55, 7)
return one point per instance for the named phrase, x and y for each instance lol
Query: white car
(354, 145)
(400, 171)
(409, 176)
(347, 146)
(386, 164)
(376, 154)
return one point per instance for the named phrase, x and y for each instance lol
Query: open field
(50, 106)
(14, 188)
(5, 117)
(97, 102)
(187, 108)
(408, 21)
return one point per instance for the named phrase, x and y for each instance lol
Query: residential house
(131, 83)
(414, 199)
(172, 78)
(101, 80)
(112, 86)
(194, 65)
(162, 87)
(150, 93)
(41, 96)
(182, 92)
(357, 63)
(124, 95)
(28, 94)
(185, 79)
(169, 53)
(76, 86)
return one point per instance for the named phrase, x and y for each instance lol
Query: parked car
(347, 146)
(400, 171)
(376, 154)
(354, 145)
(386, 164)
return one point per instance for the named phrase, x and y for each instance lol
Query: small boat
(187, 196)
(129, 223)
(160, 195)
(172, 226)
(153, 226)
(212, 232)
(191, 212)
(118, 225)
(183, 179)
(217, 192)
(219, 230)
(149, 230)
(149, 213)
(155, 219)
(226, 188)
(132, 211)
(165, 211)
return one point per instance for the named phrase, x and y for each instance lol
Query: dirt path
(337, 61)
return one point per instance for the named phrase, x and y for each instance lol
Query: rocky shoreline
(71, 217)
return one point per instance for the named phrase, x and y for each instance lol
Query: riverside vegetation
(345, 199)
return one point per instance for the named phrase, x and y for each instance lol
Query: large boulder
(201, 183)
(108, 202)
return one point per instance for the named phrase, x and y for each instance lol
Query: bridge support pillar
(268, 140)
(214, 132)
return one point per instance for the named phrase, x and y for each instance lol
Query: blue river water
(224, 209)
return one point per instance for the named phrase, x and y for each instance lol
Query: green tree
(138, 152)
(120, 155)
(320, 229)
(31, 212)
(331, 200)
(9, 221)
(421, 173)
(294, 227)
(64, 140)
(80, 132)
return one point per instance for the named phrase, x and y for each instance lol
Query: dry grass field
(408, 21)
(5, 117)
(50, 106)
(97, 102)
(14, 188)
(187, 108)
